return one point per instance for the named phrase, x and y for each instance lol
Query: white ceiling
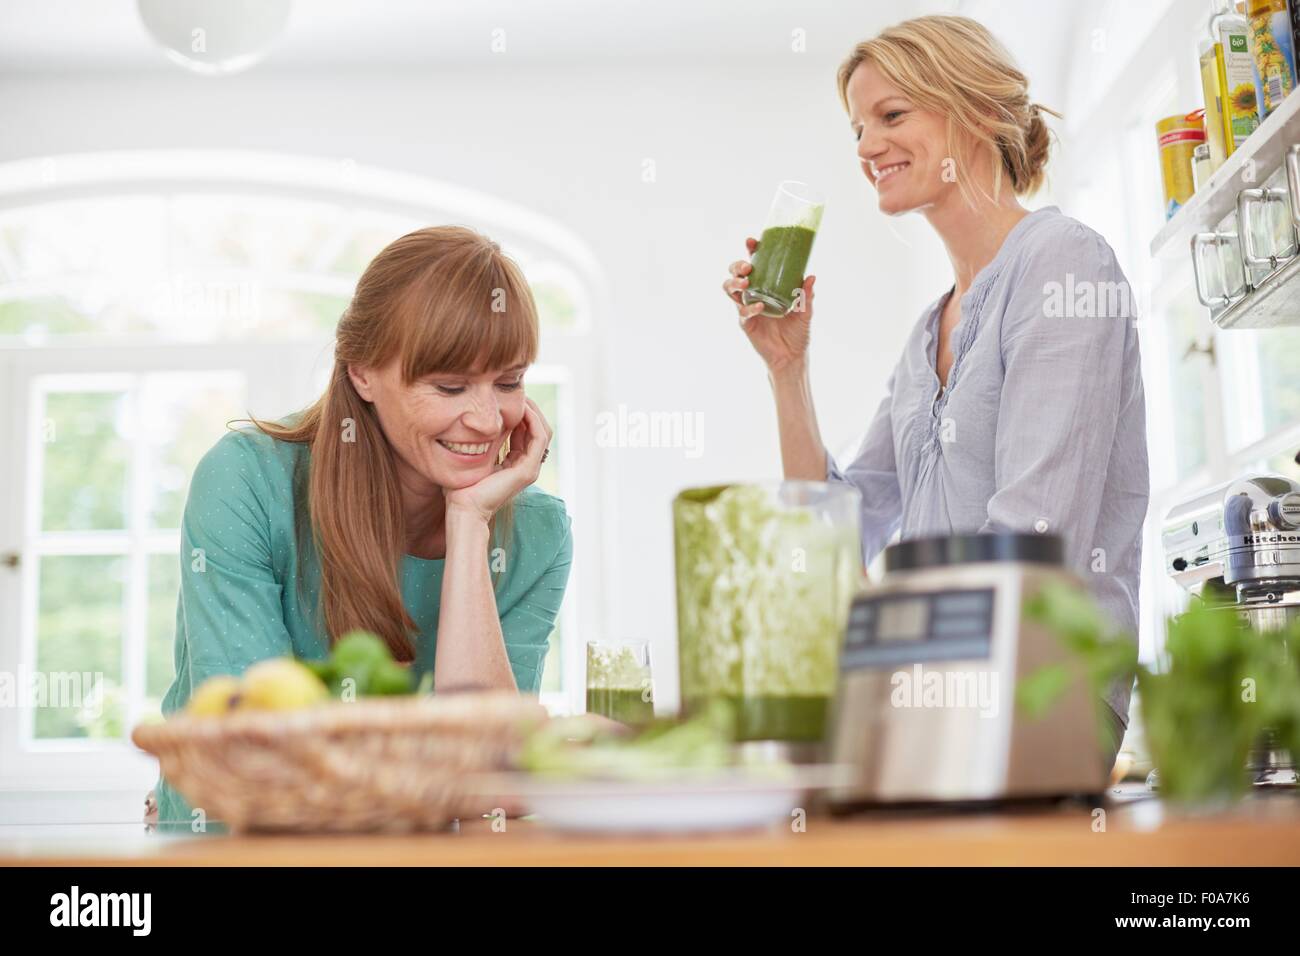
(107, 34)
(75, 36)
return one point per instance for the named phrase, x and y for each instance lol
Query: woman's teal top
(249, 590)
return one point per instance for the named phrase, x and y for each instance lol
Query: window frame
(45, 763)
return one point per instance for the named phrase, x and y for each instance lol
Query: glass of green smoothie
(781, 256)
(619, 685)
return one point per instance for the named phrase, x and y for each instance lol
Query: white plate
(734, 799)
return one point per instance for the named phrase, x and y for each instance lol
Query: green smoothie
(769, 717)
(626, 705)
(779, 263)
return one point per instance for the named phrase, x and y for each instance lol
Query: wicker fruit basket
(381, 763)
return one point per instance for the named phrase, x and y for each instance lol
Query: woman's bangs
(454, 334)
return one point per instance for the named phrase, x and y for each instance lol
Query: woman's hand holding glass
(781, 341)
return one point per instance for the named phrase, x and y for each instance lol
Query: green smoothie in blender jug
(765, 575)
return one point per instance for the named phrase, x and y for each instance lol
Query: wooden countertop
(1137, 832)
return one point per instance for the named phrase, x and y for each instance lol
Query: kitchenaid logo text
(960, 690)
(103, 909)
(1271, 538)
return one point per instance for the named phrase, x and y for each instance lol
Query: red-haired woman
(400, 502)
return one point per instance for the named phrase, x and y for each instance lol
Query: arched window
(146, 299)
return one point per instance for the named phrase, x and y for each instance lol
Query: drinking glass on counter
(619, 685)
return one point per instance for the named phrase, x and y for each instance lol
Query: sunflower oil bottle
(1228, 81)
(1236, 77)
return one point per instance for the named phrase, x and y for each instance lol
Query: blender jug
(765, 576)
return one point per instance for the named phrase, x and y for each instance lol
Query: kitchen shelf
(1217, 198)
(1264, 308)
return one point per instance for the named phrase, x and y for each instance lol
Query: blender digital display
(887, 630)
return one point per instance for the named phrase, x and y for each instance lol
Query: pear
(281, 684)
(214, 697)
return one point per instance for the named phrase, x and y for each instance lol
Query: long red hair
(441, 299)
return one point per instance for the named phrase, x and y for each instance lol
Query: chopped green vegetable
(578, 747)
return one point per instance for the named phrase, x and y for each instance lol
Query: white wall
(571, 144)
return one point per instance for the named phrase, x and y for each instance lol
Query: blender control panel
(890, 629)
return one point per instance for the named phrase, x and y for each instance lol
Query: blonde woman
(1010, 408)
(400, 502)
